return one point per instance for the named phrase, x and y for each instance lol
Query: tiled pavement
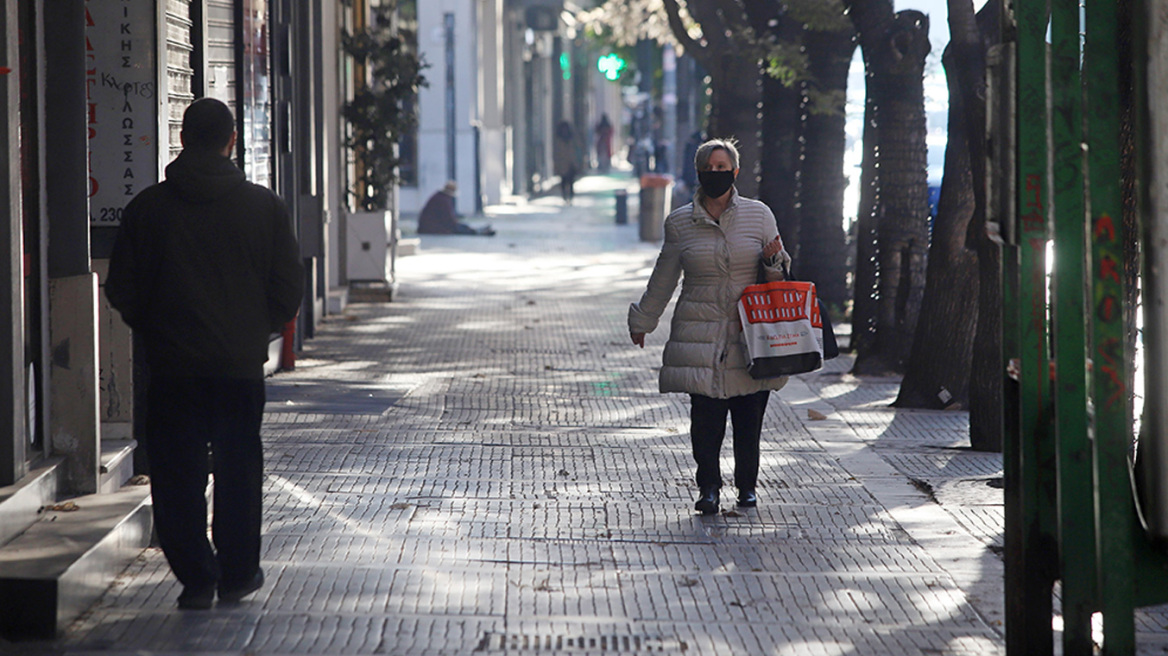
(484, 466)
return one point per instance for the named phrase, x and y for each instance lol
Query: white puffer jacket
(705, 353)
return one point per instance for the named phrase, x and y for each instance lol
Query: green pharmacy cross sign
(611, 65)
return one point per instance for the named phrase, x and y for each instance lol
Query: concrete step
(65, 561)
(337, 299)
(409, 246)
(372, 292)
(20, 504)
(117, 464)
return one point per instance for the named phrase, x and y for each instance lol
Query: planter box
(371, 246)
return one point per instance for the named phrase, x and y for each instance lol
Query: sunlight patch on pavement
(305, 497)
(802, 647)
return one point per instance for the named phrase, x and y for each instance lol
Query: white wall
(334, 174)
(432, 150)
(493, 145)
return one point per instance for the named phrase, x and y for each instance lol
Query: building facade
(94, 92)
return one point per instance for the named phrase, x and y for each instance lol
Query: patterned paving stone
(485, 466)
(334, 633)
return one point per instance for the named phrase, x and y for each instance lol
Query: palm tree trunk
(898, 67)
(823, 245)
(986, 379)
(781, 130)
(734, 114)
(938, 370)
(871, 19)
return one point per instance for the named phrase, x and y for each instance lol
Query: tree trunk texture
(1129, 167)
(823, 257)
(902, 236)
(735, 79)
(870, 18)
(864, 233)
(734, 114)
(937, 375)
(779, 174)
(986, 379)
(781, 130)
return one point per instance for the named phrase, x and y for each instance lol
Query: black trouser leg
(177, 428)
(707, 419)
(746, 414)
(238, 465)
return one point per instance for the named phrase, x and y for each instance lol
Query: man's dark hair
(207, 125)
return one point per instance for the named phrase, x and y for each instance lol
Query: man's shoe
(196, 598)
(708, 501)
(236, 594)
(747, 499)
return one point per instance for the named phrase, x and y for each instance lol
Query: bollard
(656, 192)
(622, 206)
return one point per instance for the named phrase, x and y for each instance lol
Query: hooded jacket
(205, 268)
(715, 261)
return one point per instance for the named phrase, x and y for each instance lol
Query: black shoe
(747, 499)
(196, 598)
(708, 501)
(236, 594)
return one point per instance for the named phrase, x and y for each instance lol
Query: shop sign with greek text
(122, 104)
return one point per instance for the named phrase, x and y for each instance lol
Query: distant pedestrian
(205, 269)
(439, 218)
(564, 159)
(714, 245)
(689, 174)
(604, 132)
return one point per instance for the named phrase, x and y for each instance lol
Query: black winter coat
(205, 268)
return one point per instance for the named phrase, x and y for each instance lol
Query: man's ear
(230, 147)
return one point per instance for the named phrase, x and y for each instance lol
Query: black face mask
(715, 183)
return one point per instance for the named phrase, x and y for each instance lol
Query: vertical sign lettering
(121, 102)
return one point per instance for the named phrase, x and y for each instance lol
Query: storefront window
(256, 109)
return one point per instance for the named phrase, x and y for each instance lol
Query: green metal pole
(1076, 497)
(1029, 562)
(1108, 341)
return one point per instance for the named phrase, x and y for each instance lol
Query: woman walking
(715, 246)
(564, 160)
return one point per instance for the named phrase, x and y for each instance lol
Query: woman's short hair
(207, 125)
(702, 156)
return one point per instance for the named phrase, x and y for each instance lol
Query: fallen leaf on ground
(815, 415)
(68, 506)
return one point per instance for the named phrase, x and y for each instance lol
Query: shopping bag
(783, 328)
(829, 343)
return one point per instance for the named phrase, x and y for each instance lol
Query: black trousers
(567, 185)
(185, 417)
(708, 427)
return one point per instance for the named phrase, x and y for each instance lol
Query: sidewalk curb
(976, 570)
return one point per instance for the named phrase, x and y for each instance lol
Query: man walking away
(204, 270)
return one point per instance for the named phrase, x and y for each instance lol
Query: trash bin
(622, 206)
(656, 192)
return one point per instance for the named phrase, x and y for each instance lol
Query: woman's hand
(773, 248)
(638, 339)
(774, 252)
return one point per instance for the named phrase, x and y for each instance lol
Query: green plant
(380, 112)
